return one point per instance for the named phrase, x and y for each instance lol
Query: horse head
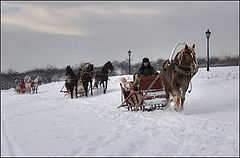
(68, 70)
(38, 80)
(90, 68)
(186, 60)
(109, 66)
(27, 79)
(71, 80)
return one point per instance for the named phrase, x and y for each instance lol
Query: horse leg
(177, 103)
(96, 83)
(30, 90)
(167, 92)
(182, 102)
(184, 90)
(72, 94)
(71, 90)
(167, 100)
(85, 86)
(91, 87)
(101, 83)
(177, 99)
(76, 91)
(104, 89)
(106, 84)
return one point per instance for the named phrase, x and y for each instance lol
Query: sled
(149, 96)
(80, 90)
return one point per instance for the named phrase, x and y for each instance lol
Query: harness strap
(185, 72)
(71, 79)
(92, 73)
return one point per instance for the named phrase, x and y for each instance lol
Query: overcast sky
(37, 34)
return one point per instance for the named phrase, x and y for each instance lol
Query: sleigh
(150, 95)
(80, 90)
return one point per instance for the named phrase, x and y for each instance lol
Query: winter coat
(145, 71)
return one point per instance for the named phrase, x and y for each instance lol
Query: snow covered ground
(51, 124)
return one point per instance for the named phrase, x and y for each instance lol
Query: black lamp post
(129, 53)
(208, 33)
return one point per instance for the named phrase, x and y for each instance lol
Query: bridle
(108, 69)
(186, 69)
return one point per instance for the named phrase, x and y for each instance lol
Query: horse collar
(184, 71)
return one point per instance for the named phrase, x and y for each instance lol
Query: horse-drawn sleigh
(154, 92)
(27, 85)
(149, 95)
(82, 83)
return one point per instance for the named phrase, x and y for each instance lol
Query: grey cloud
(108, 29)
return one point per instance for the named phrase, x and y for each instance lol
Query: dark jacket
(145, 71)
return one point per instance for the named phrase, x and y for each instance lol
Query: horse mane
(70, 71)
(108, 65)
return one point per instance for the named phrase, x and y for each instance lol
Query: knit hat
(145, 60)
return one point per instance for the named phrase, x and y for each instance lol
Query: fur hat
(145, 60)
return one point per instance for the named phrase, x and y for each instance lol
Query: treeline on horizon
(53, 74)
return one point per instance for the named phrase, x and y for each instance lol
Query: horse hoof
(176, 109)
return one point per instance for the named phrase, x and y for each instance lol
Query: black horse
(71, 81)
(86, 75)
(102, 76)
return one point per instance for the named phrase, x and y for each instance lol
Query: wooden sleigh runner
(80, 90)
(149, 96)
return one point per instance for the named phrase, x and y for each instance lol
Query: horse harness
(103, 74)
(91, 73)
(174, 65)
(183, 70)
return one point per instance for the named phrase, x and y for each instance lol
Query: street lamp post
(208, 33)
(129, 53)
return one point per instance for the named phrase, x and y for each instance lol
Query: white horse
(36, 82)
(28, 83)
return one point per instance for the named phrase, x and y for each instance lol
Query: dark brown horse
(177, 75)
(71, 81)
(101, 77)
(86, 76)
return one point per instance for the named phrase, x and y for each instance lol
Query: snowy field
(51, 124)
